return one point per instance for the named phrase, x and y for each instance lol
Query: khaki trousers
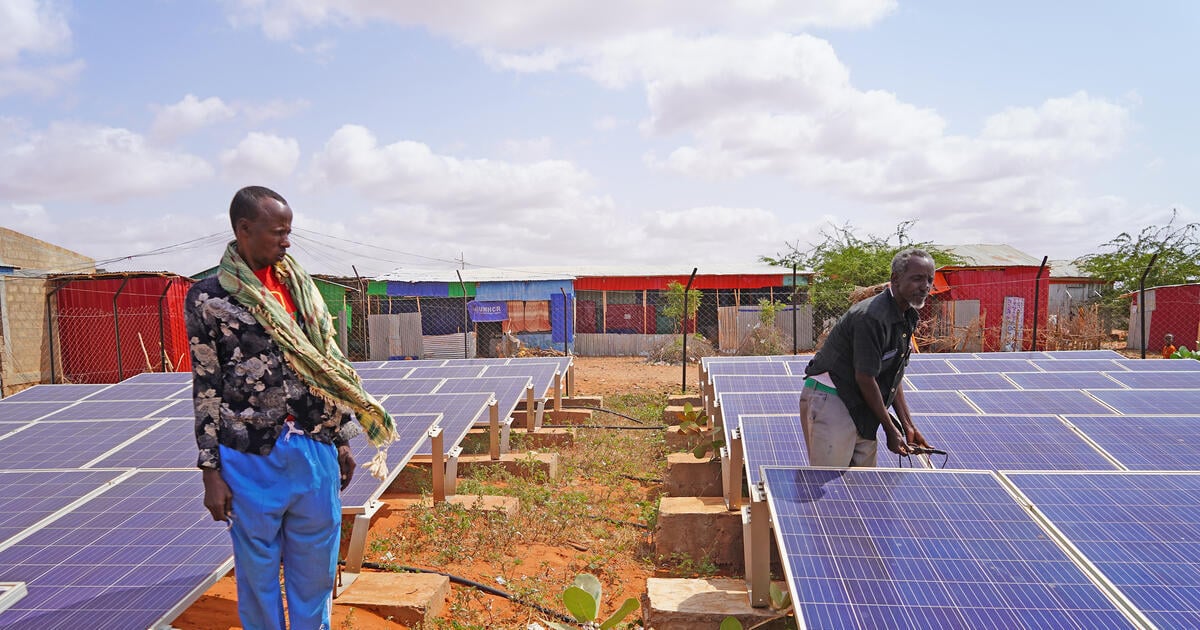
(830, 433)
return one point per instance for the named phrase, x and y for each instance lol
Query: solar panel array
(101, 511)
(1053, 432)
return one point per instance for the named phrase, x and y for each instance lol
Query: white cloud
(91, 163)
(29, 26)
(188, 115)
(607, 123)
(256, 113)
(528, 149)
(39, 81)
(261, 157)
(499, 25)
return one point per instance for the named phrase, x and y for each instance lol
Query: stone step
(528, 465)
(699, 528)
(508, 506)
(545, 437)
(410, 599)
(568, 416)
(688, 476)
(678, 400)
(686, 604)
(673, 414)
(583, 401)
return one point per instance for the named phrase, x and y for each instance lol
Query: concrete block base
(686, 604)
(568, 416)
(691, 477)
(543, 438)
(411, 599)
(583, 401)
(508, 506)
(673, 414)
(678, 400)
(697, 528)
(528, 465)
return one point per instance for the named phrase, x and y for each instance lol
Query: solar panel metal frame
(456, 410)
(1177, 379)
(928, 366)
(1078, 365)
(763, 435)
(955, 382)
(1159, 365)
(1144, 402)
(506, 390)
(938, 402)
(1120, 541)
(778, 368)
(966, 366)
(903, 551)
(452, 371)
(1036, 401)
(378, 387)
(364, 490)
(1012, 442)
(541, 374)
(733, 404)
(757, 383)
(1163, 443)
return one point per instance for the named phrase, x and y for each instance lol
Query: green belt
(812, 383)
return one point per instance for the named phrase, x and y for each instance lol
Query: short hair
(245, 203)
(900, 260)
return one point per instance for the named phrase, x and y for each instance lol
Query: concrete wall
(24, 338)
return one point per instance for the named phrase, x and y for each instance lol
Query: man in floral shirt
(273, 399)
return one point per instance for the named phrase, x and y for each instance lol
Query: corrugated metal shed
(990, 255)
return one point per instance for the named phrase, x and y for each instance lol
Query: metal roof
(534, 274)
(991, 255)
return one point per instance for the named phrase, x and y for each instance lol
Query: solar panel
(108, 410)
(992, 365)
(132, 557)
(778, 440)
(1008, 356)
(1159, 365)
(1148, 401)
(182, 378)
(26, 411)
(477, 361)
(179, 409)
(1157, 380)
(747, 367)
(455, 371)
(507, 390)
(384, 386)
(1062, 380)
(169, 445)
(66, 392)
(1035, 401)
(459, 412)
(1084, 354)
(1078, 365)
(8, 427)
(49, 444)
(796, 368)
(30, 496)
(368, 374)
(1011, 442)
(874, 548)
(367, 365)
(980, 380)
(757, 383)
(542, 375)
(928, 366)
(411, 429)
(140, 391)
(1138, 529)
(733, 405)
(937, 402)
(414, 363)
(1145, 442)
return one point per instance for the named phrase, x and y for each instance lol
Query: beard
(918, 302)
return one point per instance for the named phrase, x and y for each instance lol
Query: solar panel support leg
(541, 411)
(558, 390)
(452, 470)
(732, 462)
(494, 431)
(355, 549)
(529, 409)
(756, 532)
(506, 435)
(571, 381)
(438, 456)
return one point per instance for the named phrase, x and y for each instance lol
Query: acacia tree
(843, 261)
(1178, 262)
(674, 307)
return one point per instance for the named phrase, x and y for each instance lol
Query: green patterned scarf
(310, 351)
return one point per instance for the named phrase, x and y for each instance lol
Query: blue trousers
(286, 509)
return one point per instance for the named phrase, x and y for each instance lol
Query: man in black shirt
(857, 374)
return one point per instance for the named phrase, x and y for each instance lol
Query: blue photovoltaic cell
(734, 405)
(508, 390)
(723, 383)
(1024, 354)
(937, 402)
(477, 361)
(873, 548)
(124, 559)
(367, 365)
(992, 365)
(109, 410)
(49, 444)
(411, 429)
(140, 391)
(1145, 442)
(1035, 401)
(1078, 365)
(1062, 380)
(928, 366)
(383, 386)
(1010, 442)
(455, 371)
(66, 392)
(28, 497)
(25, 411)
(778, 440)
(979, 380)
(185, 408)
(182, 378)
(541, 374)
(368, 374)
(1083, 354)
(459, 412)
(172, 445)
(1149, 401)
(1159, 365)
(1157, 380)
(747, 367)
(1139, 529)
(796, 368)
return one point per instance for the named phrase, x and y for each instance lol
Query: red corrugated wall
(1176, 311)
(87, 328)
(990, 286)
(659, 283)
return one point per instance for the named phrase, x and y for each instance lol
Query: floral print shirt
(243, 389)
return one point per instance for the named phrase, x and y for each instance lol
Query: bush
(671, 351)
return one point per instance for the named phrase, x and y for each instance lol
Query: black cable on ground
(615, 413)
(645, 479)
(392, 568)
(619, 522)
(658, 427)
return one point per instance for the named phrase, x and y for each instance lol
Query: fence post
(50, 330)
(1037, 294)
(1142, 302)
(686, 290)
(117, 325)
(162, 340)
(795, 329)
(466, 352)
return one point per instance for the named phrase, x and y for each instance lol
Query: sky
(674, 133)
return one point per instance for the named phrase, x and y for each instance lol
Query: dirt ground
(603, 376)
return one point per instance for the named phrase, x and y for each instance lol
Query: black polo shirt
(872, 338)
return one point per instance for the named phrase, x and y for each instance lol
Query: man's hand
(895, 441)
(346, 464)
(916, 439)
(218, 498)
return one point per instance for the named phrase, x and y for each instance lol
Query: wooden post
(529, 411)
(494, 430)
(558, 391)
(437, 464)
